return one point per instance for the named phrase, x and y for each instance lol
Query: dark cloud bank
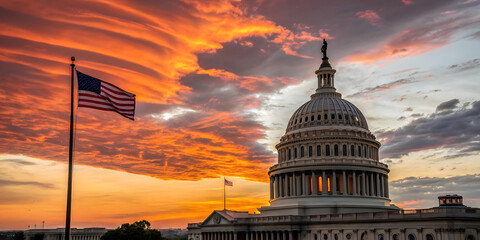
(449, 128)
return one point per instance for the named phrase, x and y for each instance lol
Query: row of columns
(329, 182)
(334, 150)
(80, 237)
(251, 235)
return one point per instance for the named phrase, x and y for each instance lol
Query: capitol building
(329, 184)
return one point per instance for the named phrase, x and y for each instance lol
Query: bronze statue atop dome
(324, 48)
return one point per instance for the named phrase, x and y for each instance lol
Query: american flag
(101, 95)
(228, 183)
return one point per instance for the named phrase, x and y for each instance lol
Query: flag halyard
(98, 94)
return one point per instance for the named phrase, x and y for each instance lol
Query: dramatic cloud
(418, 39)
(425, 190)
(191, 121)
(448, 129)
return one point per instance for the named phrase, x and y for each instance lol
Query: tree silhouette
(19, 236)
(139, 230)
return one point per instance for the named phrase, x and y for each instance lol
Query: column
(304, 184)
(251, 236)
(271, 188)
(287, 185)
(314, 184)
(420, 234)
(324, 183)
(290, 237)
(363, 184)
(354, 181)
(266, 236)
(247, 236)
(382, 186)
(299, 235)
(278, 235)
(284, 235)
(334, 183)
(281, 191)
(277, 195)
(378, 184)
(345, 190)
(234, 235)
(294, 185)
(372, 187)
(386, 186)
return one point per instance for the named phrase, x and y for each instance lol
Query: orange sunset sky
(216, 82)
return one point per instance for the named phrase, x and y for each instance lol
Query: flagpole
(70, 158)
(224, 208)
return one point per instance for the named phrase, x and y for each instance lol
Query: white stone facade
(59, 233)
(329, 184)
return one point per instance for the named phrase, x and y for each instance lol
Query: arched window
(300, 120)
(430, 237)
(344, 150)
(306, 119)
(302, 152)
(315, 236)
(346, 117)
(335, 236)
(380, 236)
(312, 118)
(295, 121)
(295, 153)
(289, 154)
(310, 151)
(325, 236)
(319, 150)
(325, 116)
(352, 151)
(469, 237)
(335, 149)
(395, 237)
(411, 237)
(319, 117)
(333, 116)
(327, 150)
(359, 151)
(349, 236)
(340, 116)
(365, 152)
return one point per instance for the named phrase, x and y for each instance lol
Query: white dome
(326, 111)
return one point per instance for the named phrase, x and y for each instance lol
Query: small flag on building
(101, 95)
(228, 183)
